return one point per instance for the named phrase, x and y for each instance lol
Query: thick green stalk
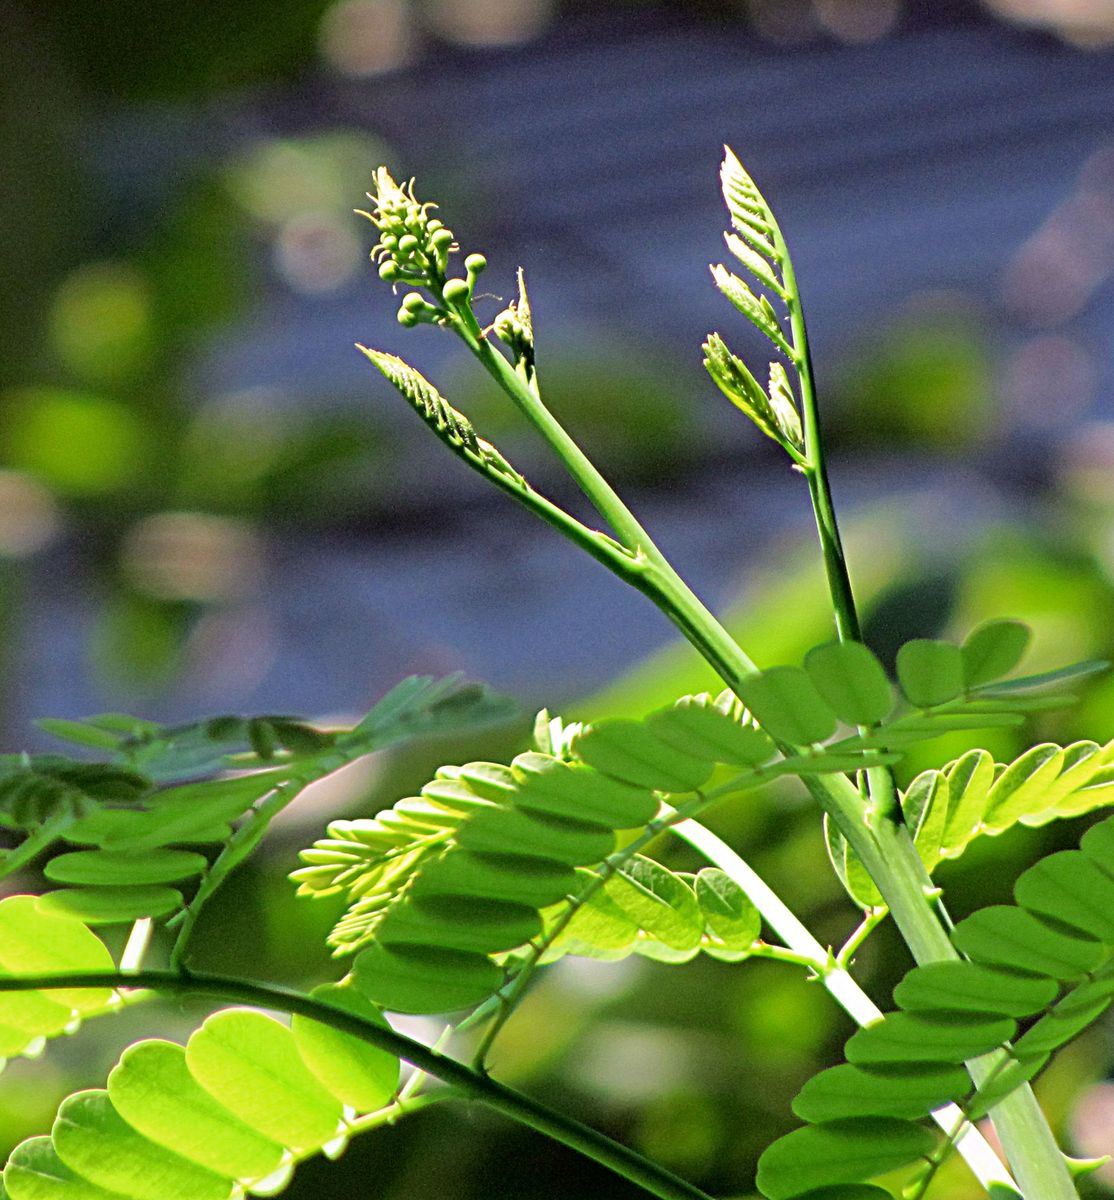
(897, 868)
(470, 1084)
(839, 982)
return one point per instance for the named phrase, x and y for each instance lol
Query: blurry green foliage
(923, 380)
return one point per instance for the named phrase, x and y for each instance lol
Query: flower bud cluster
(413, 246)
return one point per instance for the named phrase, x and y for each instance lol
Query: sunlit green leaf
(837, 1152)
(851, 680)
(249, 1063)
(993, 650)
(930, 672)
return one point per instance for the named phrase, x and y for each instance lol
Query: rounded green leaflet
(662, 904)
(152, 1089)
(598, 927)
(970, 987)
(930, 672)
(970, 779)
(454, 796)
(992, 650)
(537, 882)
(35, 1172)
(96, 1143)
(1098, 845)
(705, 731)
(114, 868)
(839, 1152)
(1002, 935)
(25, 1016)
(632, 752)
(730, 919)
(574, 790)
(424, 979)
(492, 781)
(248, 1062)
(362, 1076)
(456, 923)
(925, 807)
(852, 682)
(534, 835)
(112, 905)
(1024, 788)
(1058, 1027)
(904, 1037)
(908, 1091)
(1068, 887)
(787, 705)
(34, 942)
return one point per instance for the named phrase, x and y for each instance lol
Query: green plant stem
(238, 847)
(880, 840)
(472, 1085)
(896, 868)
(34, 844)
(603, 496)
(837, 980)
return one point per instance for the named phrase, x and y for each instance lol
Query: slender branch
(472, 1085)
(591, 482)
(34, 844)
(866, 927)
(238, 847)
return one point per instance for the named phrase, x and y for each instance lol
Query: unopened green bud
(407, 318)
(389, 271)
(475, 263)
(413, 301)
(389, 241)
(407, 244)
(434, 225)
(456, 291)
(442, 238)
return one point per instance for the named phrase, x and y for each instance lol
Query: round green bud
(389, 241)
(413, 213)
(407, 318)
(441, 238)
(456, 291)
(413, 301)
(475, 263)
(434, 225)
(389, 271)
(407, 244)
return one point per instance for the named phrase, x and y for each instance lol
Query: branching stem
(469, 1084)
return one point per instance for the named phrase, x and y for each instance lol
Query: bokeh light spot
(192, 556)
(29, 517)
(283, 178)
(489, 22)
(858, 21)
(317, 252)
(367, 37)
(100, 323)
(81, 444)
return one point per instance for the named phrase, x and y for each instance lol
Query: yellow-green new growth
(413, 246)
(775, 414)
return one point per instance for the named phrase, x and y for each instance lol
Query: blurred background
(210, 503)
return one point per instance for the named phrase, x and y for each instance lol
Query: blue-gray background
(208, 502)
